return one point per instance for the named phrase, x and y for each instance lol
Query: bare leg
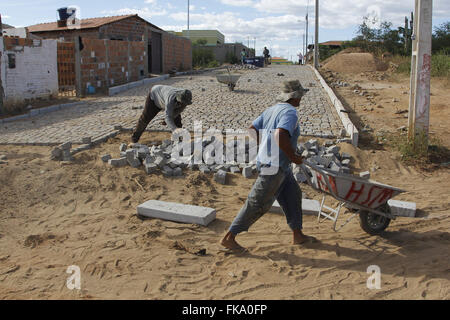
(229, 242)
(300, 238)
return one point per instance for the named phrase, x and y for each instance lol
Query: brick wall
(68, 35)
(177, 53)
(35, 74)
(131, 29)
(108, 63)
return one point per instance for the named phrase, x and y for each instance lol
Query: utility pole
(316, 40)
(1, 86)
(188, 8)
(306, 34)
(419, 102)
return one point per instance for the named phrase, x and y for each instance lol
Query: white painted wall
(35, 74)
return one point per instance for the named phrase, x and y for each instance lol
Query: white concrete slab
(177, 212)
(310, 207)
(402, 208)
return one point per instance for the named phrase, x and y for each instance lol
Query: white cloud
(239, 3)
(150, 1)
(5, 17)
(145, 13)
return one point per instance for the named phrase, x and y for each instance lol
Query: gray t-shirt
(164, 98)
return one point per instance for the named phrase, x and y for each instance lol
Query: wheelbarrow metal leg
(333, 214)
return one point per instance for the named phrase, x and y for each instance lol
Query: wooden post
(78, 87)
(419, 104)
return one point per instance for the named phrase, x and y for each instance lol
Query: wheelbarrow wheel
(373, 224)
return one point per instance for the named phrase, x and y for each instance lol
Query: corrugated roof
(85, 23)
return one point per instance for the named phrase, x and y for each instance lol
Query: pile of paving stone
(159, 158)
(243, 67)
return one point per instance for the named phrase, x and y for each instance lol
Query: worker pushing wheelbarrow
(363, 197)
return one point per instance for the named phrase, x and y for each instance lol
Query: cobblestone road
(214, 105)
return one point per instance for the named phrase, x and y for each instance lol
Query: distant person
(243, 56)
(300, 58)
(163, 98)
(266, 54)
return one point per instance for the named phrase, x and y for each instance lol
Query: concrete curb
(127, 86)
(347, 123)
(36, 112)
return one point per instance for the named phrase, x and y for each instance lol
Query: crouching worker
(171, 100)
(275, 180)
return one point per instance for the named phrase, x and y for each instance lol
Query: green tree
(441, 38)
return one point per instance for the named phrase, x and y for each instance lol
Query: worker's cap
(185, 97)
(291, 89)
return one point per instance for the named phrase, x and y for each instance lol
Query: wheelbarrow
(363, 197)
(229, 79)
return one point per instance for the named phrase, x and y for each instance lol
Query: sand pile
(355, 62)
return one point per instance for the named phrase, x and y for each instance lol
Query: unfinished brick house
(120, 49)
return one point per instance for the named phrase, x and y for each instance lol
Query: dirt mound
(355, 62)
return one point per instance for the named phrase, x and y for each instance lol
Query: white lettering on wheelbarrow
(374, 281)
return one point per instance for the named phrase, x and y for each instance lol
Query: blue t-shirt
(280, 116)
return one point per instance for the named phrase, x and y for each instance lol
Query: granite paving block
(309, 207)
(177, 212)
(402, 208)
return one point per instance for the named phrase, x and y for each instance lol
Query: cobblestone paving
(214, 105)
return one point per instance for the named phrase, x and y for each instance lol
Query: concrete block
(345, 156)
(334, 167)
(106, 157)
(134, 162)
(333, 149)
(122, 162)
(149, 160)
(66, 146)
(235, 170)
(221, 177)
(177, 172)
(247, 172)
(86, 140)
(167, 171)
(309, 207)
(177, 212)
(150, 168)
(66, 155)
(123, 147)
(56, 154)
(204, 168)
(365, 175)
(346, 162)
(402, 208)
(160, 161)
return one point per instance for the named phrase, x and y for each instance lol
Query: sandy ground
(55, 215)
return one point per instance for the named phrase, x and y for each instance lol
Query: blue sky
(279, 24)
